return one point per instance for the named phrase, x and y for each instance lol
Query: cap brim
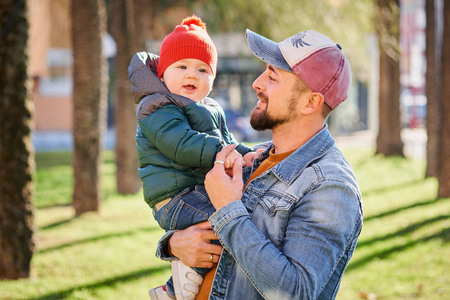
(266, 50)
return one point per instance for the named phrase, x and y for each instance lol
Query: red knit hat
(188, 40)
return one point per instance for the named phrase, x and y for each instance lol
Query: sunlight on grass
(403, 251)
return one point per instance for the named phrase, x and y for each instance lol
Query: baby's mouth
(189, 87)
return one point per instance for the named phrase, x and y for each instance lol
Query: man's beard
(261, 120)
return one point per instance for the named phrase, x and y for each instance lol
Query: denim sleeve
(162, 247)
(318, 232)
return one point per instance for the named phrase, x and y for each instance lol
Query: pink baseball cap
(315, 59)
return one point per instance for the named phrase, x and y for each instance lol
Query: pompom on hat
(188, 40)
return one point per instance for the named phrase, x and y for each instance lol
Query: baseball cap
(314, 58)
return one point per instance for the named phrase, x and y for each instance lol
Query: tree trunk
(89, 101)
(16, 150)
(387, 23)
(444, 172)
(122, 27)
(433, 88)
(143, 15)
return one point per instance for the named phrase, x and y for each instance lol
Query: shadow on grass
(97, 238)
(399, 209)
(53, 205)
(56, 224)
(105, 283)
(444, 235)
(109, 159)
(394, 187)
(404, 231)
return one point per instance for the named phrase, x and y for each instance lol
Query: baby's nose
(191, 74)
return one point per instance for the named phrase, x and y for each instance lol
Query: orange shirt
(203, 294)
(267, 164)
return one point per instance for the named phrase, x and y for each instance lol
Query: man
(290, 231)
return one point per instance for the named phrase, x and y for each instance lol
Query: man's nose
(258, 84)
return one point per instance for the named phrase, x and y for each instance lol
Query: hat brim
(266, 50)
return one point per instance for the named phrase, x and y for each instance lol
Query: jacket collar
(292, 166)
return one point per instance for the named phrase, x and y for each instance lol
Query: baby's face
(190, 78)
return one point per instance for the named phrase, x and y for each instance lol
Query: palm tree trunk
(16, 150)
(444, 172)
(433, 88)
(89, 101)
(387, 23)
(122, 27)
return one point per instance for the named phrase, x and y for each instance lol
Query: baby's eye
(203, 70)
(183, 67)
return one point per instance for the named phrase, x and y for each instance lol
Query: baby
(180, 130)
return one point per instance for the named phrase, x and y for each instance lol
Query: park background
(102, 246)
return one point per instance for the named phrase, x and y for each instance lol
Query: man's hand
(224, 188)
(192, 246)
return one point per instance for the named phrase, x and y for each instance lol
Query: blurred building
(51, 69)
(50, 64)
(413, 63)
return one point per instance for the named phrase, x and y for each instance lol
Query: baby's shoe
(160, 293)
(186, 281)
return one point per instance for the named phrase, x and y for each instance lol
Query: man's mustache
(262, 96)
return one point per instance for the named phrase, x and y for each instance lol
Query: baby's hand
(231, 158)
(250, 156)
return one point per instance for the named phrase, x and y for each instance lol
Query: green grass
(403, 252)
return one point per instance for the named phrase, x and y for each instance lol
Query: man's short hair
(326, 110)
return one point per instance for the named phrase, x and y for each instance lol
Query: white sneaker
(160, 293)
(186, 281)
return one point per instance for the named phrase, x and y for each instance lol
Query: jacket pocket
(273, 204)
(271, 216)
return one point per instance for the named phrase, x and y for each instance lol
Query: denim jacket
(295, 229)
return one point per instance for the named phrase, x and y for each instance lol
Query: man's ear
(314, 102)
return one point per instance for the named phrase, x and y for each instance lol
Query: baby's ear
(152, 63)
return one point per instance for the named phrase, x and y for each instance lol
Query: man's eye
(271, 78)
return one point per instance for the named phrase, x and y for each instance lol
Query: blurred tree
(387, 24)
(16, 151)
(347, 22)
(444, 172)
(433, 86)
(124, 20)
(89, 101)
(232, 15)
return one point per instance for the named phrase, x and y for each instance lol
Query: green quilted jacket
(177, 139)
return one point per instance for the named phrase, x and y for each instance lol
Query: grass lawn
(403, 252)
